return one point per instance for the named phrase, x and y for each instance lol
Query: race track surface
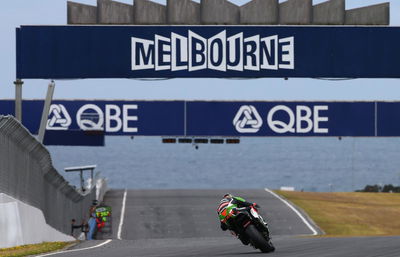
(192, 213)
(184, 223)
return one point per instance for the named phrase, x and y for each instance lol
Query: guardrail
(27, 174)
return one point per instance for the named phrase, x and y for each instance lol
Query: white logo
(90, 120)
(280, 126)
(219, 52)
(114, 119)
(247, 120)
(60, 119)
(303, 120)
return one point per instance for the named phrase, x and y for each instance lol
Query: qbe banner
(73, 52)
(144, 118)
(214, 118)
(281, 118)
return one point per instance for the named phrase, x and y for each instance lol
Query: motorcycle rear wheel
(258, 240)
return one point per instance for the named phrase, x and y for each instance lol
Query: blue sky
(53, 12)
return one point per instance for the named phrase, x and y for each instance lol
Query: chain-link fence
(27, 174)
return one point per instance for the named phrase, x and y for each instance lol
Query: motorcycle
(251, 229)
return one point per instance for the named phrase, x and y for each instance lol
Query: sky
(53, 12)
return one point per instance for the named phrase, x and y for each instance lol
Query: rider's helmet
(225, 200)
(228, 195)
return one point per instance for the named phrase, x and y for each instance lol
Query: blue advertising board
(113, 117)
(73, 52)
(214, 119)
(280, 119)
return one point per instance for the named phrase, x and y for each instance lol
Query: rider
(225, 206)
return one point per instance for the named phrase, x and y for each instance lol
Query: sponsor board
(213, 119)
(74, 52)
(281, 119)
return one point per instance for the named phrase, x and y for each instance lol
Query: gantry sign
(214, 118)
(74, 52)
(152, 44)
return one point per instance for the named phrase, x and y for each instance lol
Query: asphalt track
(183, 223)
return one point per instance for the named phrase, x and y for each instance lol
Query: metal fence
(27, 174)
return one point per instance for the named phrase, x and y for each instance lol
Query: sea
(309, 164)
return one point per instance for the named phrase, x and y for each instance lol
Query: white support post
(46, 109)
(18, 99)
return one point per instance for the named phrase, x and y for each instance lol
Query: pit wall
(30, 183)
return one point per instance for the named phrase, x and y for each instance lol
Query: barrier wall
(27, 174)
(22, 224)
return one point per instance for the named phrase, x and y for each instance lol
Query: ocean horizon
(309, 164)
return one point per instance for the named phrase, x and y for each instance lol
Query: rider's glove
(256, 205)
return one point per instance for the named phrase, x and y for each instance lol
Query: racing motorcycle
(251, 228)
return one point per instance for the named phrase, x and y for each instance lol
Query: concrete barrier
(27, 174)
(260, 12)
(295, 12)
(329, 13)
(148, 12)
(219, 12)
(111, 12)
(183, 12)
(22, 224)
(81, 13)
(370, 15)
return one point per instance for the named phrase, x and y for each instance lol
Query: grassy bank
(351, 214)
(26, 250)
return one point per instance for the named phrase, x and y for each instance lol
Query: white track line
(314, 232)
(76, 250)
(121, 220)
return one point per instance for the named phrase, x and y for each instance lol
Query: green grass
(351, 214)
(26, 250)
